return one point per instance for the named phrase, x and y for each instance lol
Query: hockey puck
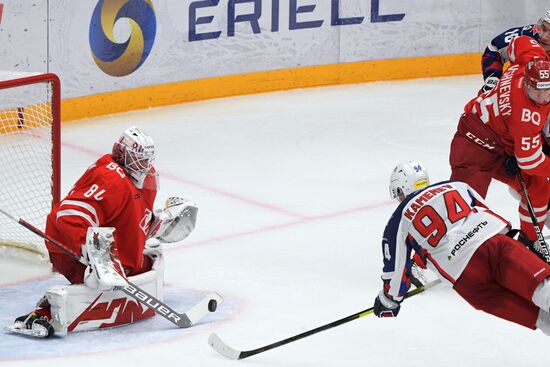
(212, 305)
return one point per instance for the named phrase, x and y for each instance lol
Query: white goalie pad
(79, 308)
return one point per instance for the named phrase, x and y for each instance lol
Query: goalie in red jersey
(107, 217)
(499, 134)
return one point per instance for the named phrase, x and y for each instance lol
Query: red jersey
(105, 197)
(516, 119)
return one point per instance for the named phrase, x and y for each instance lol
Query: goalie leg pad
(80, 308)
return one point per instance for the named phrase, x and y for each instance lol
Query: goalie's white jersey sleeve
(444, 224)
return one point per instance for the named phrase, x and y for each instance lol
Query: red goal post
(29, 158)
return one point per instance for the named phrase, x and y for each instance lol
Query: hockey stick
(181, 320)
(219, 346)
(542, 242)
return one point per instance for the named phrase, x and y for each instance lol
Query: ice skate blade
(35, 333)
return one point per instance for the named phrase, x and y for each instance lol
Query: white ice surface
(292, 190)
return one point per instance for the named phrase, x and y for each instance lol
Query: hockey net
(29, 158)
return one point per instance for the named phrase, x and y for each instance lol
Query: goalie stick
(219, 346)
(181, 320)
(541, 241)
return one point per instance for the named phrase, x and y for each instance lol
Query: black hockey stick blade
(225, 350)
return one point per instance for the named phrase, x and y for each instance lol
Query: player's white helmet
(134, 151)
(406, 178)
(545, 18)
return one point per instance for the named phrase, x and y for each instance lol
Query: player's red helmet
(537, 73)
(537, 80)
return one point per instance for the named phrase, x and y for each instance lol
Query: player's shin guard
(543, 322)
(541, 295)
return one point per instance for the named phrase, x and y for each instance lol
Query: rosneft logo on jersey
(121, 59)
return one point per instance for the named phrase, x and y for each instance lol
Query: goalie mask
(407, 178)
(134, 151)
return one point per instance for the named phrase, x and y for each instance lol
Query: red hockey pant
(500, 279)
(73, 270)
(477, 166)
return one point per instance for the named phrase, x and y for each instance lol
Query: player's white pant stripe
(86, 206)
(63, 213)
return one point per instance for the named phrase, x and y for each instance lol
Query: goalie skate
(31, 325)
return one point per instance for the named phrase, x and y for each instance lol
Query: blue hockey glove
(385, 307)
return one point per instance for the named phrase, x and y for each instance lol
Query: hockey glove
(385, 307)
(545, 140)
(490, 82)
(104, 271)
(152, 248)
(511, 166)
(175, 222)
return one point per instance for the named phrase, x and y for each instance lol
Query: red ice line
(201, 186)
(279, 226)
(299, 218)
(232, 196)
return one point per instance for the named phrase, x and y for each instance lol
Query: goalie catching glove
(175, 222)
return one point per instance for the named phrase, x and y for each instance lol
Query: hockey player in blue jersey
(495, 55)
(450, 227)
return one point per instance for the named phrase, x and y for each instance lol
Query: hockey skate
(32, 324)
(536, 248)
(533, 246)
(418, 275)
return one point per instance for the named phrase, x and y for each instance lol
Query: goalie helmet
(406, 178)
(134, 151)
